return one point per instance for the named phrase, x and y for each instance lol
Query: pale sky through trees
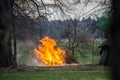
(93, 9)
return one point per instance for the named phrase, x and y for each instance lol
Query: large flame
(49, 54)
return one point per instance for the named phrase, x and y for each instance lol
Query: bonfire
(49, 54)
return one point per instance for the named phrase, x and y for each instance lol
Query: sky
(78, 11)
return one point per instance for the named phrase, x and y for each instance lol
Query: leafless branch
(92, 13)
(37, 6)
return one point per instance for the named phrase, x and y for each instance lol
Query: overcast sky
(79, 10)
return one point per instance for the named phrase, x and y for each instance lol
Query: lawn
(80, 72)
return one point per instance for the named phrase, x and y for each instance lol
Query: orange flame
(49, 54)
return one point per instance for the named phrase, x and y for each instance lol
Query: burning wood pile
(51, 55)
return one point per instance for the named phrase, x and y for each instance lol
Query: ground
(79, 72)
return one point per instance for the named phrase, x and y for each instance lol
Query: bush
(84, 52)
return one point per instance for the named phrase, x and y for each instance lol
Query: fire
(49, 54)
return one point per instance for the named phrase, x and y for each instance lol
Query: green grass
(88, 59)
(54, 76)
(81, 72)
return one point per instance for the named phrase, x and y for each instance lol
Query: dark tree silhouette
(115, 40)
(6, 10)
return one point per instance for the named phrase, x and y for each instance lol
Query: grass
(81, 72)
(88, 59)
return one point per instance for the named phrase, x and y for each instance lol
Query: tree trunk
(115, 54)
(14, 46)
(6, 9)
